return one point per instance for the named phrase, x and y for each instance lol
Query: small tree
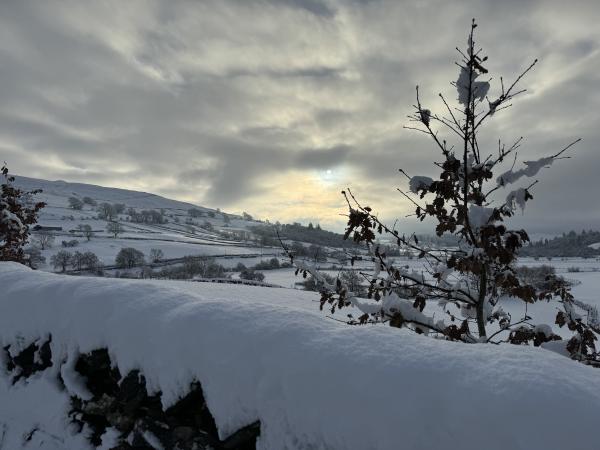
(44, 239)
(106, 211)
(86, 230)
(129, 257)
(253, 275)
(114, 228)
(318, 283)
(17, 213)
(467, 283)
(75, 203)
(354, 281)
(61, 260)
(34, 257)
(90, 261)
(316, 253)
(89, 201)
(119, 208)
(195, 212)
(156, 255)
(77, 260)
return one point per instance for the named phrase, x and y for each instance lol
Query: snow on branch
(419, 183)
(532, 168)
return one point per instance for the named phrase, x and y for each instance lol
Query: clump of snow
(479, 215)
(533, 167)
(9, 219)
(479, 89)
(270, 355)
(518, 197)
(417, 183)
(544, 329)
(493, 105)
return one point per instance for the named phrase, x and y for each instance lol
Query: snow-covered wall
(270, 355)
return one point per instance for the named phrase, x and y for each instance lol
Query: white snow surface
(270, 355)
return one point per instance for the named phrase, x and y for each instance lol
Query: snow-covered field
(175, 238)
(585, 288)
(270, 355)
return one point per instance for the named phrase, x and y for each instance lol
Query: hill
(585, 244)
(163, 231)
(146, 222)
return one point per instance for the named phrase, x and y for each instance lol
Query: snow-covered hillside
(269, 355)
(56, 193)
(208, 233)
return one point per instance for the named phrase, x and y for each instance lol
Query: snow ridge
(270, 355)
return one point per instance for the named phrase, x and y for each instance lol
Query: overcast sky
(273, 107)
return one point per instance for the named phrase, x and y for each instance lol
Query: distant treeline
(570, 244)
(444, 241)
(297, 232)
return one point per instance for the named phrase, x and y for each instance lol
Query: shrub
(89, 201)
(129, 257)
(61, 260)
(272, 264)
(75, 203)
(249, 274)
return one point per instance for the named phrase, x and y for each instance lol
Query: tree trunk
(481, 319)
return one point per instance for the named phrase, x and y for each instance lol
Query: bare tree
(156, 255)
(464, 201)
(129, 257)
(75, 203)
(33, 257)
(61, 260)
(90, 261)
(114, 228)
(107, 211)
(86, 230)
(44, 239)
(77, 260)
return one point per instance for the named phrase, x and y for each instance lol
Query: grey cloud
(317, 7)
(322, 158)
(212, 100)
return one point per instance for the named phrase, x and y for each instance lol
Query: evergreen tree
(16, 216)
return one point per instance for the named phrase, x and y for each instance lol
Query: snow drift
(270, 355)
